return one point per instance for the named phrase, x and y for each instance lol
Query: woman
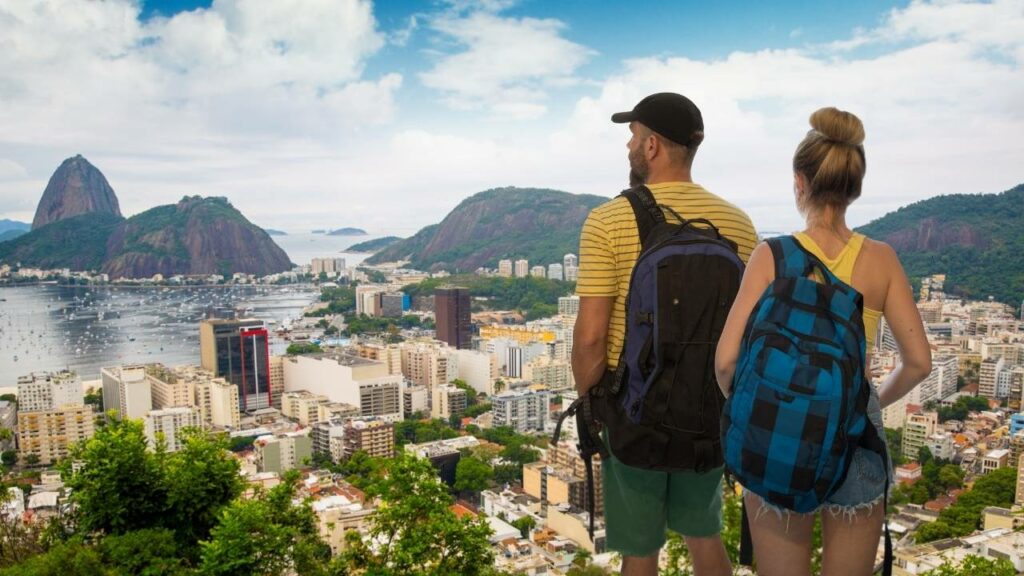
(828, 169)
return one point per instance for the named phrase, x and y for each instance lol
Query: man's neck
(672, 174)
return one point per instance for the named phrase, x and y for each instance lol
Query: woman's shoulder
(878, 252)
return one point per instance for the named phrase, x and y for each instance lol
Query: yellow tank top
(842, 267)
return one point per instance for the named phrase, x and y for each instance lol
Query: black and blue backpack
(798, 408)
(661, 406)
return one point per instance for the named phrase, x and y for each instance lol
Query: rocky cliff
(195, 236)
(537, 224)
(976, 239)
(76, 188)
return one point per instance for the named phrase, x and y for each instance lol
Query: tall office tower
(505, 268)
(522, 268)
(554, 271)
(451, 312)
(126, 390)
(570, 261)
(239, 352)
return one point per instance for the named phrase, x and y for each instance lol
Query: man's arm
(590, 341)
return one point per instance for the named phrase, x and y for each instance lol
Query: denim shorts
(865, 480)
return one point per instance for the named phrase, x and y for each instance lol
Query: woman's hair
(831, 158)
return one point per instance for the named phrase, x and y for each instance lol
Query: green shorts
(640, 504)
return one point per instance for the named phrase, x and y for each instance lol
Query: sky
(312, 114)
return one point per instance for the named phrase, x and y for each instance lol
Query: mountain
(195, 236)
(375, 245)
(7, 225)
(76, 188)
(537, 224)
(78, 243)
(11, 234)
(977, 240)
(347, 232)
(82, 229)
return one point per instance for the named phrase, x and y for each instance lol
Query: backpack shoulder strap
(792, 260)
(645, 210)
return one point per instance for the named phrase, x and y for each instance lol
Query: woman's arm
(759, 273)
(904, 320)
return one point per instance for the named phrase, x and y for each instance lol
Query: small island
(373, 246)
(273, 232)
(319, 231)
(347, 232)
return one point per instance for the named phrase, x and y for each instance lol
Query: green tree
(201, 479)
(298, 348)
(267, 536)
(94, 398)
(149, 552)
(119, 485)
(975, 566)
(417, 532)
(525, 524)
(31, 459)
(19, 540)
(72, 558)
(9, 457)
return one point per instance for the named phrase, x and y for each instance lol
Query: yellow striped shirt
(610, 245)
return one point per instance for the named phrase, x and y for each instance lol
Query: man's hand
(590, 341)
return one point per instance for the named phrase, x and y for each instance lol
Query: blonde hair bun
(838, 126)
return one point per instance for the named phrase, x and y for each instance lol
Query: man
(666, 130)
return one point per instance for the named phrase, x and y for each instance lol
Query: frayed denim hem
(847, 512)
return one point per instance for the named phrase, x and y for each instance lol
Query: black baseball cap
(672, 115)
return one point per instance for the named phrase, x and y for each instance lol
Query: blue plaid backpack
(798, 408)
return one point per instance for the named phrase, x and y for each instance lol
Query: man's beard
(638, 169)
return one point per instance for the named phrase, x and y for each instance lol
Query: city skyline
(390, 114)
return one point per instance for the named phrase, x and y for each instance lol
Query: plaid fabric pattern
(798, 406)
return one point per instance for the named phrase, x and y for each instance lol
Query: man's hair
(677, 153)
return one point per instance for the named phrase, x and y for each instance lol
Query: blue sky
(314, 113)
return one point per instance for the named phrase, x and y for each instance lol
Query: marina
(84, 328)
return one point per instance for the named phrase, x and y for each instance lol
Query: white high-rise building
(328, 265)
(569, 305)
(126, 390)
(570, 261)
(217, 401)
(41, 391)
(169, 424)
(988, 377)
(478, 369)
(447, 400)
(522, 268)
(522, 410)
(349, 379)
(554, 271)
(51, 415)
(505, 268)
(514, 362)
(538, 272)
(572, 273)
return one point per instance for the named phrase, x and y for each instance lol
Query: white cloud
(505, 64)
(285, 121)
(942, 111)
